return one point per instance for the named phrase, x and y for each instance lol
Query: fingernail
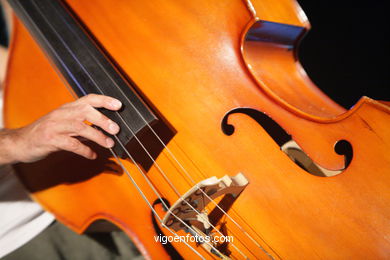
(116, 104)
(109, 142)
(114, 128)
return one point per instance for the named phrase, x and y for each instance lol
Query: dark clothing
(57, 242)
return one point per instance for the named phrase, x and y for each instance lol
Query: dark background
(346, 52)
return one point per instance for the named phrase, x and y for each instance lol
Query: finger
(73, 145)
(101, 101)
(96, 136)
(95, 117)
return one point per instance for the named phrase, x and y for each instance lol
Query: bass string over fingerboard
(83, 63)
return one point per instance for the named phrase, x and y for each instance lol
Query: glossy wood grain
(189, 60)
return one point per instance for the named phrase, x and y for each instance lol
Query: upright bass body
(194, 65)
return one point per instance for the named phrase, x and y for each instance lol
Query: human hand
(58, 131)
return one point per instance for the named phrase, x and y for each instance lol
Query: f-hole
(288, 145)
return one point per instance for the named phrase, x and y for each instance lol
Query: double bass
(223, 135)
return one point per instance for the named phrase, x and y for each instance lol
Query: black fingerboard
(83, 63)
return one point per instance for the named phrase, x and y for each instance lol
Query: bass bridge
(192, 213)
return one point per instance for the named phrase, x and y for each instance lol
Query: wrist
(10, 146)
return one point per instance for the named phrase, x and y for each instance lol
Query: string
(165, 177)
(119, 115)
(179, 195)
(186, 173)
(180, 165)
(158, 195)
(159, 168)
(120, 163)
(150, 206)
